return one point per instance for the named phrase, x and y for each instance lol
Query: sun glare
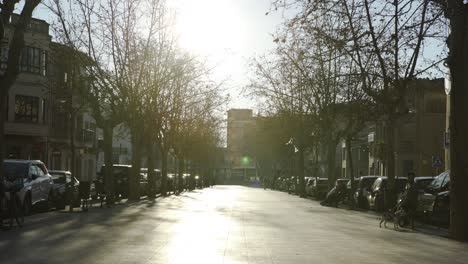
(209, 27)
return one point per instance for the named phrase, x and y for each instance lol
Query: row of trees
(339, 64)
(135, 74)
(127, 68)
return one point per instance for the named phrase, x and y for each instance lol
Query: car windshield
(423, 183)
(367, 182)
(58, 178)
(14, 170)
(437, 182)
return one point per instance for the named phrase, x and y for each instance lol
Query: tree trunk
(134, 181)
(301, 190)
(331, 160)
(350, 170)
(192, 176)
(151, 190)
(390, 196)
(73, 158)
(163, 171)
(108, 176)
(458, 43)
(181, 174)
(3, 111)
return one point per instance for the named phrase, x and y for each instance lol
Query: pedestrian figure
(409, 203)
(2, 196)
(84, 190)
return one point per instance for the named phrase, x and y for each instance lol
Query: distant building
(240, 149)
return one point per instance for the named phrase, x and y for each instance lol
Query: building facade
(42, 108)
(241, 125)
(26, 127)
(419, 134)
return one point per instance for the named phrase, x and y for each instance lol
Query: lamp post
(72, 111)
(448, 88)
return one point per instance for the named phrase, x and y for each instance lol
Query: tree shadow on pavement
(63, 237)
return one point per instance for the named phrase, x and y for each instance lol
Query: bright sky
(227, 33)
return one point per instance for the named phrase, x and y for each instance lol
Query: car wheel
(378, 204)
(50, 200)
(60, 203)
(27, 206)
(363, 203)
(19, 209)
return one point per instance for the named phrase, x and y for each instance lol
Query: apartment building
(26, 127)
(44, 110)
(240, 130)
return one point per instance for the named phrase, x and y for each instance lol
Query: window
(44, 112)
(3, 56)
(89, 132)
(33, 60)
(26, 108)
(40, 171)
(44, 63)
(32, 171)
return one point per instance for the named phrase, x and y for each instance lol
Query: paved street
(223, 224)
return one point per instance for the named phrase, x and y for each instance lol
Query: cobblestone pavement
(223, 224)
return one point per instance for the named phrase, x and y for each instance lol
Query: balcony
(26, 129)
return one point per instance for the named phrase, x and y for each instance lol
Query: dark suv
(363, 188)
(121, 175)
(427, 201)
(376, 195)
(33, 180)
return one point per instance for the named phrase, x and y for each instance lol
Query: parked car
(282, 184)
(363, 187)
(143, 182)
(170, 182)
(376, 195)
(423, 182)
(319, 187)
(441, 209)
(62, 180)
(121, 174)
(36, 182)
(337, 194)
(348, 185)
(426, 200)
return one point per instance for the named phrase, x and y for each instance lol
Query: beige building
(241, 127)
(26, 126)
(39, 103)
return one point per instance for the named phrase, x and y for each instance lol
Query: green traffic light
(245, 161)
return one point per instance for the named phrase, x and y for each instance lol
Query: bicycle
(12, 205)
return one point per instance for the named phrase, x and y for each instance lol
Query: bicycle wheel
(19, 209)
(16, 211)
